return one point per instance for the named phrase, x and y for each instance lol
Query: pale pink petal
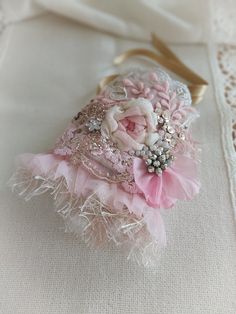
(129, 112)
(138, 119)
(125, 141)
(179, 181)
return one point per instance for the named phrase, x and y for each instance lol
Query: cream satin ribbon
(167, 59)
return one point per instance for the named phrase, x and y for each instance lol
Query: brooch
(124, 158)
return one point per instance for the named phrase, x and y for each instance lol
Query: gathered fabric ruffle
(178, 182)
(98, 211)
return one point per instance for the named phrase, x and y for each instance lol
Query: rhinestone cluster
(94, 124)
(157, 159)
(165, 130)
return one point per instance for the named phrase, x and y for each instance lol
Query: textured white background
(50, 69)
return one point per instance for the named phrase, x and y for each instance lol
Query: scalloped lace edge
(226, 115)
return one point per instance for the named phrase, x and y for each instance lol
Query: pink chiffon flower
(178, 182)
(131, 124)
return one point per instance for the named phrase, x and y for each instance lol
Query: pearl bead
(162, 158)
(170, 129)
(156, 163)
(182, 136)
(151, 169)
(153, 147)
(159, 151)
(148, 162)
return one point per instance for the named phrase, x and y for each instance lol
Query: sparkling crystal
(148, 162)
(153, 148)
(159, 151)
(154, 157)
(165, 127)
(162, 158)
(182, 136)
(94, 124)
(170, 129)
(156, 163)
(168, 137)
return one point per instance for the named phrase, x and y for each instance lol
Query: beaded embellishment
(124, 158)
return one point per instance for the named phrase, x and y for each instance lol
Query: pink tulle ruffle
(178, 182)
(83, 184)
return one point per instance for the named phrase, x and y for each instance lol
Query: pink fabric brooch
(125, 157)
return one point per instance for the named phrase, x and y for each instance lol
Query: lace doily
(226, 56)
(223, 61)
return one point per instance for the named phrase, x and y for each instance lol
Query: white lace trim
(222, 58)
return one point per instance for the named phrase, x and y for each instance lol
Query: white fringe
(91, 220)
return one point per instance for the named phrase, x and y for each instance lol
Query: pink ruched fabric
(178, 182)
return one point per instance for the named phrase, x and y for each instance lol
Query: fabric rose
(131, 124)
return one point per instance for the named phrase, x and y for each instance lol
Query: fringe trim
(91, 220)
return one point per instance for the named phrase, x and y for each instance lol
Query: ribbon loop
(170, 61)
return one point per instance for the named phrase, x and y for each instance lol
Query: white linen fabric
(132, 18)
(49, 69)
(174, 21)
